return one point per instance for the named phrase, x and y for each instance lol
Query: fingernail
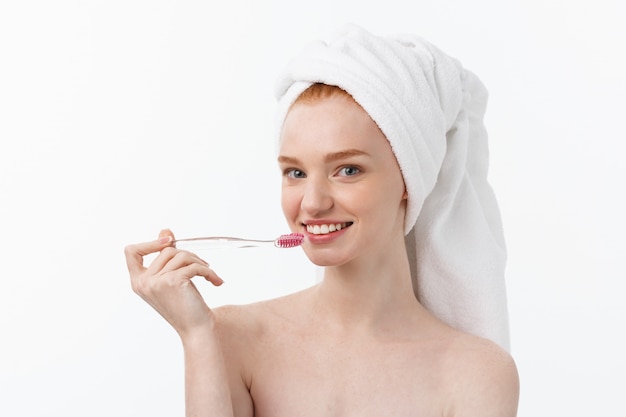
(165, 239)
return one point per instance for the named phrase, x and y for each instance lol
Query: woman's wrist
(199, 336)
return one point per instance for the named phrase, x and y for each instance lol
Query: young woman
(359, 343)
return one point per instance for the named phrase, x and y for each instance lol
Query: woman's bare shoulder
(247, 331)
(482, 377)
(260, 316)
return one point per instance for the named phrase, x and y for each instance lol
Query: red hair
(320, 91)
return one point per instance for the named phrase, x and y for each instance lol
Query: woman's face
(342, 187)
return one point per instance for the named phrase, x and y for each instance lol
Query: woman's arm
(166, 285)
(206, 377)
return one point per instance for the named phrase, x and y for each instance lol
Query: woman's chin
(328, 259)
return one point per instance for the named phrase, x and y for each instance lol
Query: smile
(324, 229)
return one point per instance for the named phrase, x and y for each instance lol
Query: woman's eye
(295, 173)
(348, 171)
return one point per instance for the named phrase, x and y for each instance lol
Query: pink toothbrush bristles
(290, 240)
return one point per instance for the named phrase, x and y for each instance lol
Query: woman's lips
(325, 232)
(326, 228)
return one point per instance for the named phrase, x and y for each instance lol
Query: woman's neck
(369, 293)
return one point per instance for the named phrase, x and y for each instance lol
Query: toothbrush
(290, 240)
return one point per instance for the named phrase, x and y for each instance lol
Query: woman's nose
(317, 197)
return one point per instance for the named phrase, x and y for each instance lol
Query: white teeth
(324, 229)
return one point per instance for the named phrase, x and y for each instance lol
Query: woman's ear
(405, 196)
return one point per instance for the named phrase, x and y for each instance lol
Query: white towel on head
(431, 110)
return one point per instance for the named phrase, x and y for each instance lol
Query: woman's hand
(166, 284)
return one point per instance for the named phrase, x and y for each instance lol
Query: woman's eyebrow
(337, 156)
(288, 160)
(331, 157)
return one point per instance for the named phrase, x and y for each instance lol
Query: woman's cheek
(289, 203)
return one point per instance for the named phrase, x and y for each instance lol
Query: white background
(119, 118)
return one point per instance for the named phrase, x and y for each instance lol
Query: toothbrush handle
(220, 242)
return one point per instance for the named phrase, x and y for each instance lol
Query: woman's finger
(201, 270)
(165, 233)
(175, 280)
(171, 259)
(135, 253)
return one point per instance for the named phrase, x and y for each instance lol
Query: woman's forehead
(334, 122)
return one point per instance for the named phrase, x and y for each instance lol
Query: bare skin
(357, 344)
(300, 364)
